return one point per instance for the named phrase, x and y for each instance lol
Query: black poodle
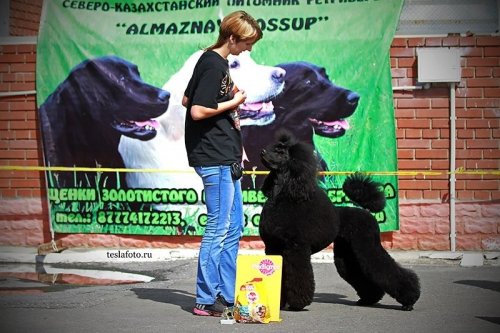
(298, 220)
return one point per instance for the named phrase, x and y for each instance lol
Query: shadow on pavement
(491, 285)
(178, 297)
(340, 299)
(330, 298)
(494, 320)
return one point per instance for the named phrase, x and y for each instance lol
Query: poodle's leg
(347, 267)
(360, 235)
(283, 299)
(277, 250)
(298, 277)
(375, 263)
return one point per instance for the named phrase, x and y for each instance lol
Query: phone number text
(140, 218)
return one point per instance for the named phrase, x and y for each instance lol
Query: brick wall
(24, 17)
(19, 130)
(423, 136)
(423, 120)
(423, 140)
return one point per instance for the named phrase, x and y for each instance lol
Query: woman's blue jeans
(220, 242)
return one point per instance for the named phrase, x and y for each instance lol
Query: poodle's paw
(297, 305)
(407, 307)
(295, 308)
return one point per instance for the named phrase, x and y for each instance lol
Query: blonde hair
(239, 24)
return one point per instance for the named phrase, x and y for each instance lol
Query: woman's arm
(199, 112)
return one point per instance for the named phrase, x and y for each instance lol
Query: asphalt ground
(454, 299)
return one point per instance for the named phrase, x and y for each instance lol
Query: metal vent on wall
(443, 17)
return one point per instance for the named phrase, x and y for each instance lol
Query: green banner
(110, 78)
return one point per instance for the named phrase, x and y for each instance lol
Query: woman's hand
(240, 96)
(199, 112)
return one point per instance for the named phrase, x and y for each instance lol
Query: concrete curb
(13, 254)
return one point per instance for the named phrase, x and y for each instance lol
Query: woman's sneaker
(215, 309)
(223, 301)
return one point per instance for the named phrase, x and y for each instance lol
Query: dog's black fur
(83, 119)
(307, 104)
(298, 219)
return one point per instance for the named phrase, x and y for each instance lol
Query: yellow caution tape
(459, 171)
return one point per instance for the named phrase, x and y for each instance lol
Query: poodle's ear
(274, 184)
(302, 172)
(298, 193)
(269, 182)
(301, 185)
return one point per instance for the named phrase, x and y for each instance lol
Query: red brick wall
(423, 120)
(24, 17)
(423, 140)
(19, 145)
(423, 136)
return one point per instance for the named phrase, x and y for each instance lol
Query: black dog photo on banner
(84, 118)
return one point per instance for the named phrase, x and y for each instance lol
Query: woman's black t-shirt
(215, 140)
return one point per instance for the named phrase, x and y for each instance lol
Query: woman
(213, 144)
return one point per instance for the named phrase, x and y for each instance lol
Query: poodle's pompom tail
(365, 192)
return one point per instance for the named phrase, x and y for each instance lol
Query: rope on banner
(459, 171)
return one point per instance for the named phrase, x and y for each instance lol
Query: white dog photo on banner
(167, 150)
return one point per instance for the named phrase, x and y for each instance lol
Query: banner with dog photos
(110, 79)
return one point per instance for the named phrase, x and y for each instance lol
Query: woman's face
(236, 48)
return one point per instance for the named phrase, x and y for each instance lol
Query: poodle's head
(293, 165)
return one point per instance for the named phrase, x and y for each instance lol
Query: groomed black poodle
(298, 220)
